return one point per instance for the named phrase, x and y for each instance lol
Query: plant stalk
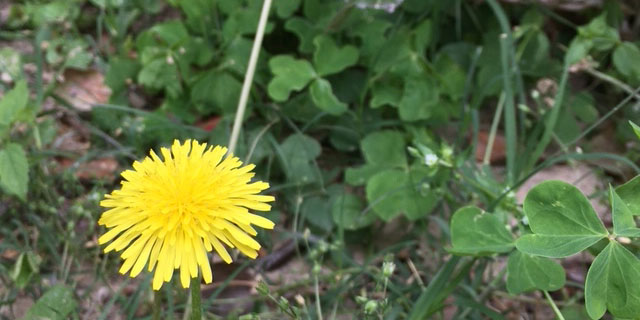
(196, 299)
(559, 315)
(248, 78)
(492, 133)
(157, 305)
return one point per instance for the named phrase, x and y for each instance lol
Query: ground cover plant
(442, 159)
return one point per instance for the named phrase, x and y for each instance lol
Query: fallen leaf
(70, 139)
(103, 168)
(83, 89)
(9, 254)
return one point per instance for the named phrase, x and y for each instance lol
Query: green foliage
(14, 166)
(476, 232)
(613, 282)
(527, 272)
(290, 74)
(367, 117)
(347, 212)
(26, 267)
(392, 192)
(623, 221)
(13, 102)
(323, 97)
(564, 223)
(625, 57)
(562, 220)
(14, 170)
(385, 148)
(294, 74)
(298, 153)
(329, 58)
(628, 194)
(57, 303)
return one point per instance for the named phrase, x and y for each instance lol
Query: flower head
(170, 212)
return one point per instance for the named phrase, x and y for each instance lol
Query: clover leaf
(476, 232)
(290, 75)
(562, 220)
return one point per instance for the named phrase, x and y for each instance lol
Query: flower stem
(248, 78)
(157, 305)
(553, 305)
(196, 301)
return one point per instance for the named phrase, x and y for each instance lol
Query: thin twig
(415, 273)
(553, 305)
(248, 78)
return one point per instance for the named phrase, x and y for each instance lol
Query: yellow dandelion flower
(169, 213)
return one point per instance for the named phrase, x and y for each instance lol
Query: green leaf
(453, 78)
(372, 36)
(52, 12)
(197, 13)
(602, 36)
(26, 266)
(13, 102)
(77, 55)
(535, 54)
(236, 56)
(56, 304)
(419, 97)
(623, 222)
(360, 175)
(475, 232)
(629, 192)
(14, 170)
(199, 52)
(423, 34)
(527, 273)
(290, 75)
(613, 283)
(323, 97)
(635, 128)
(329, 58)
(393, 192)
(555, 246)
(393, 51)
(298, 153)
(317, 211)
(386, 91)
(385, 148)
(159, 74)
(625, 59)
(120, 70)
(562, 220)
(305, 30)
(171, 33)
(578, 50)
(347, 211)
(243, 20)
(285, 8)
(216, 89)
(10, 63)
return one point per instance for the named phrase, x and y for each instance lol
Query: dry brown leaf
(83, 89)
(71, 140)
(9, 254)
(104, 168)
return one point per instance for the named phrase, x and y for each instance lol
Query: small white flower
(430, 159)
